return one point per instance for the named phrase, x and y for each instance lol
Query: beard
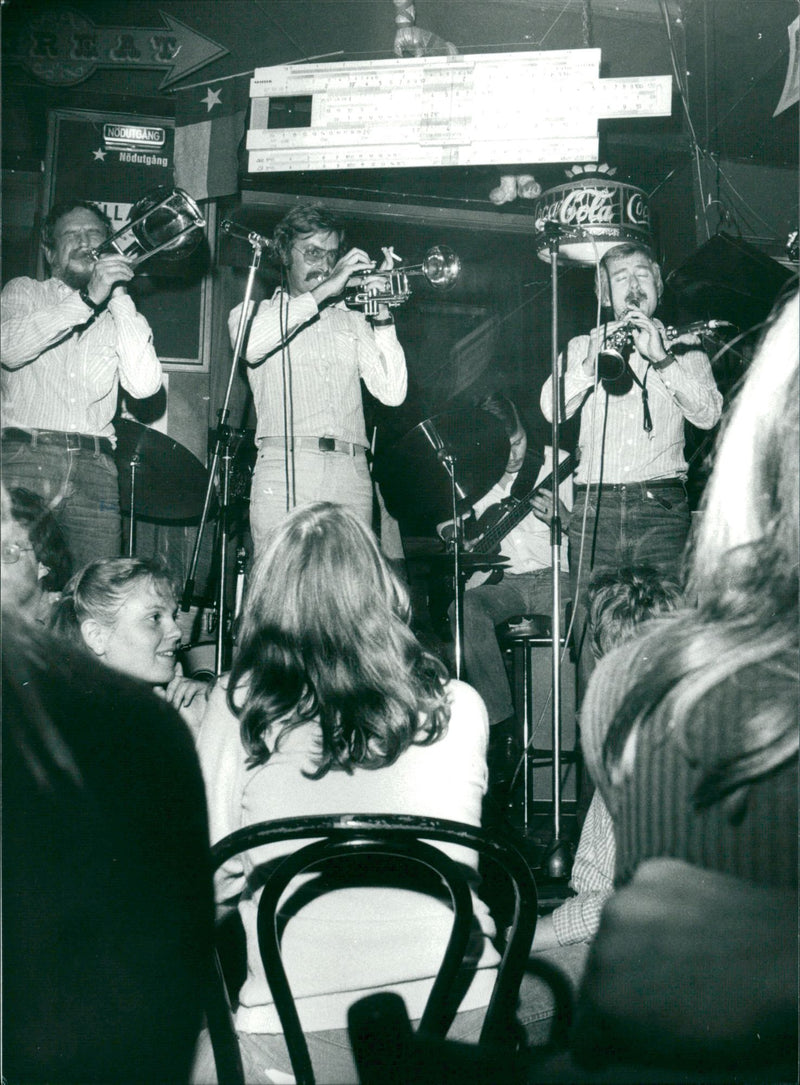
(76, 279)
(74, 273)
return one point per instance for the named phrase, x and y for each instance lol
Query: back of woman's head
(100, 589)
(747, 548)
(322, 579)
(325, 634)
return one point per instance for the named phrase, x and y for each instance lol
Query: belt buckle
(73, 442)
(327, 444)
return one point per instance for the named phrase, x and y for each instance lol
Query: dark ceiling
(732, 56)
(736, 53)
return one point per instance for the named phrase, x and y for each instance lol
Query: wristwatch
(668, 359)
(381, 321)
(87, 300)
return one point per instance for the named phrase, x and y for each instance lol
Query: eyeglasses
(313, 255)
(93, 235)
(10, 553)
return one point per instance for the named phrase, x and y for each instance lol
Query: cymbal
(170, 480)
(414, 476)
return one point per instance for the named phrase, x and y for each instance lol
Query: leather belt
(313, 444)
(620, 487)
(72, 442)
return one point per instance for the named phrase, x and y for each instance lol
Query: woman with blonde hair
(332, 706)
(123, 611)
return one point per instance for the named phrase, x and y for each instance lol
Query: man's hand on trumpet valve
(352, 263)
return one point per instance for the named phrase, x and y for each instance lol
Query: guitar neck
(521, 508)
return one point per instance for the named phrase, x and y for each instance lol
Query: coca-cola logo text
(587, 206)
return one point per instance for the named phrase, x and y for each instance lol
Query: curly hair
(325, 638)
(621, 600)
(57, 212)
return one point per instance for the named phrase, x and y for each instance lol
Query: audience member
(41, 572)
(107, 899)
(333, 706)
(123, 610)
(619, 604)
(691, 730)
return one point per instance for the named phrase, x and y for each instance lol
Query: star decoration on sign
(99, 155)
(212, 98)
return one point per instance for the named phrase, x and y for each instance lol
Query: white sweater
(348, 942)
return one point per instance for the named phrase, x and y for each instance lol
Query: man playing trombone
(306, 355)
(67, 345)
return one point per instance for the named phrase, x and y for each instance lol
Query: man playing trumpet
(67, 345)
(306, 355)
(630, 484)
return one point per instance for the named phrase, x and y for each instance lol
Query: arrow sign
(62, 47)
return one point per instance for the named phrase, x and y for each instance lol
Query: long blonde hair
(325, 637)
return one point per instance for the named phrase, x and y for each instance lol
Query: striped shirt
(577, 919)
(614, 445)
(327, 353)
(59, 374)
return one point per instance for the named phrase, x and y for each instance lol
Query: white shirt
(614, 446)
(329, 351)
(528, 546)
(58, 373)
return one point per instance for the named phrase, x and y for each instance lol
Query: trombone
(164, 220)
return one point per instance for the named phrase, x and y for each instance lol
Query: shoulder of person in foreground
(107, 849)
(727, 945)
(467, 707)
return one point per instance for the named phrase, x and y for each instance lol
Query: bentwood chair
(403, 840)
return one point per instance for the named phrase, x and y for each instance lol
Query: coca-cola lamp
(594, 213)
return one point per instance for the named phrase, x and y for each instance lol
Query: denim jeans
(79, 487)
(484, 608)
(635, 524)
(547, 988)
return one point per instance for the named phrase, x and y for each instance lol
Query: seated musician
(526, 584)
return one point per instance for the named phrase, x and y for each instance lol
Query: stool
(522, 636)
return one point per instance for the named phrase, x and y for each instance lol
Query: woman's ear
(95, 636)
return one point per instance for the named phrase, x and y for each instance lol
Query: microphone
(235, 230)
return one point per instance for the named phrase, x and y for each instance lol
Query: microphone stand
(557, 855)
(222, 450)
(448, 458)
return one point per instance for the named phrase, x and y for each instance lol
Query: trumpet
(369, 289)
(612, 359)
(164, 220)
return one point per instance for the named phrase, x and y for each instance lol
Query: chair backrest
(409, 838)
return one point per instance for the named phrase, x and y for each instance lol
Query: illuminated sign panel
(440, 111)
